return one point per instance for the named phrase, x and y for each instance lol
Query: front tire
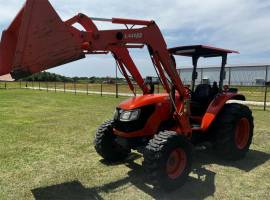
(233, 131)
(167, 160)
(106, 145)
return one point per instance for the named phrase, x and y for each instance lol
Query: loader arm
(118, 41)
(38, 40)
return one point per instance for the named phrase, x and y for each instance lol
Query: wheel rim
(242, 133)
(176, 163)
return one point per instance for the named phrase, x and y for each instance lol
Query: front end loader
(163, 127)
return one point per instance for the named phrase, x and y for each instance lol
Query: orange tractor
(163, 127)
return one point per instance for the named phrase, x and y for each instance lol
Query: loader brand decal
(133, 36)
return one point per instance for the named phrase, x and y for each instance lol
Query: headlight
(130, 115)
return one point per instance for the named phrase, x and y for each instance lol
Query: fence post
(87, 88)
(229, 77)
(116, 90)
(47, 84)
(75, 89)
(39, 85)
(32, 84)
(55, 86)
(64, 87)
(266, 87)
(135, 89)
(101, 89)
(265, 97)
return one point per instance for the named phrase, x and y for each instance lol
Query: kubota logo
(134, 36)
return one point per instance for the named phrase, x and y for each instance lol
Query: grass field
(46, 152)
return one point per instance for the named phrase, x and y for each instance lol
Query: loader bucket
(37, 40)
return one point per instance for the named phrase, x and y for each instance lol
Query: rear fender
(216, 106)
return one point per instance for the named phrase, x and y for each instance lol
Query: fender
(215, 107)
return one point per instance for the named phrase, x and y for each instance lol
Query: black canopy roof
(200, 51)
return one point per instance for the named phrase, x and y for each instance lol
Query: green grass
(46, 152)
(254, 93)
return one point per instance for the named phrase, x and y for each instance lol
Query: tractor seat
(202, 93)
(200, 99)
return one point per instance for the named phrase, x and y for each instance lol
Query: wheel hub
(242, 132)
(176, 163)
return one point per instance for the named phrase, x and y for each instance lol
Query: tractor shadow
(252, 160)
(199, 186)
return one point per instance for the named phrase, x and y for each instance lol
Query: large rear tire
(106, 145)
(167, 160)
(233, 131)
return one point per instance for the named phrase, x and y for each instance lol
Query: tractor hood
(141, 101)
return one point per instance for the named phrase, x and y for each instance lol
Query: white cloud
(238, 24)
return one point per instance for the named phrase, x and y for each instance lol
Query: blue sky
(243, 25)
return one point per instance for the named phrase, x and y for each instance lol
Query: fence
(259, 93)
(74, 87)
(237, 76)
(253, 82)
